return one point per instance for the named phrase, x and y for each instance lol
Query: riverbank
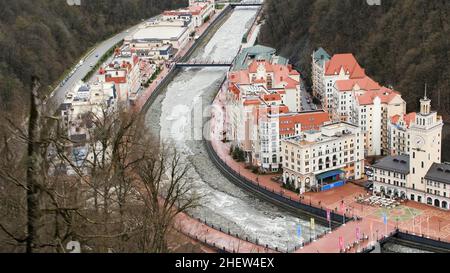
(169, 117)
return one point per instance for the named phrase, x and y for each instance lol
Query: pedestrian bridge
(204, 63)
(246, 4)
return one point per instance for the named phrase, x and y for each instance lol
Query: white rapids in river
(225, 205)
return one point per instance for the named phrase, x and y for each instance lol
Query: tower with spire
(425, 104)
(425, 142)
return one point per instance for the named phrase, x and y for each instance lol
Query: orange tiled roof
(365, 83)
(386, 95)
(407, 118)
(308, 121)
(272, 97)
(346, 62)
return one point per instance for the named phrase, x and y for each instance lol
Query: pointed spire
(425, 97)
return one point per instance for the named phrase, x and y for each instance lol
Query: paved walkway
(410, 216)
(213, 237)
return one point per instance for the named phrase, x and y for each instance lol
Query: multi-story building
(372, 111)
(277, 124)
(344, 96)
(319, 59)
(158, 33)
(322, 159)
(197, 12)
(398, 133)
(124, 72)
(264, 104)
(348, 94)
(326, 71)
(423, 178)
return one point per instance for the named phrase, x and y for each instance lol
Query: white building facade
(322, 159)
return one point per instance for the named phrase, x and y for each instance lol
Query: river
(170, 117)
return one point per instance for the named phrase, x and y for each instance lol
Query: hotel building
(321, 159)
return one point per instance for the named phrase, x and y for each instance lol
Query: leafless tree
(166, 190)
(124, 196)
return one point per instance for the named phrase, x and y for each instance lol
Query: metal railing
(269, 194)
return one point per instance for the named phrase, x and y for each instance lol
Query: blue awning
(329, 174)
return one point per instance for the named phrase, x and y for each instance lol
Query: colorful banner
(357, 234)
(328, 215)
(299, 231)
(313, 224)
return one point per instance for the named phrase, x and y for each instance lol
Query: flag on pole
(371, 231)
(328, 215)
(385, 218)
(343, 207)
(299, 231)
(313, 225)
(341, 243)
(357, 234)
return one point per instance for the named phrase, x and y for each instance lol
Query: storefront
(330, 179)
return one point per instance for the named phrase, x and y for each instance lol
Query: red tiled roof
(407, 118)
(116, 79)
(348, 63)
(252, 102)
(308, 121)
(271, 97)
(365, 83)
(253, 67)
(386, 95)
(239, 77)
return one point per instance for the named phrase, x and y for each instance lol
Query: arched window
(444, 204)
(429, 201)
(437, 203)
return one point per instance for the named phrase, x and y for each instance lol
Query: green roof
(321, 55)
(258, 52)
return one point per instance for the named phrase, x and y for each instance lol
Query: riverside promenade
(169, 66)
(410, 217)
(219, 240)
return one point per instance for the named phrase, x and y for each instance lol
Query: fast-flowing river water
(171, 117)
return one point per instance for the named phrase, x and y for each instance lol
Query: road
(57, 96)
(307, 101)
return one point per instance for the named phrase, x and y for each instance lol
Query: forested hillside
(46, 37)
(400, 43)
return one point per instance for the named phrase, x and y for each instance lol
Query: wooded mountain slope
(403, 43)
(46, 37)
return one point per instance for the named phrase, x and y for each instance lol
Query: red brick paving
(196, 229)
